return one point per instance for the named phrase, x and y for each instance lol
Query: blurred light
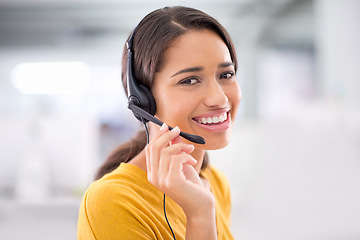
(51, 77)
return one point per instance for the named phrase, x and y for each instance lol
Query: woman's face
(196, 88)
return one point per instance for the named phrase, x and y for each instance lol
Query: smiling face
(196, 88)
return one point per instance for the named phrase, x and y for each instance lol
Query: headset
(140, 99)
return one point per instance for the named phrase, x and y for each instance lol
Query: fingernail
(176, 129)
(191, 147)
(163, 126)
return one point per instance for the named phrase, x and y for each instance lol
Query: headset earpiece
(138, 94)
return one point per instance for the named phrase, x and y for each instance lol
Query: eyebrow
(198, 69)
(226, 64)
(186, 70)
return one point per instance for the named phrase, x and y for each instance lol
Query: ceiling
(53, 22)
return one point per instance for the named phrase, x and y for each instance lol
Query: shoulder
(119, 184)
(113, 200)
(125, 186)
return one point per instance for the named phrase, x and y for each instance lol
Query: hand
(170, 169)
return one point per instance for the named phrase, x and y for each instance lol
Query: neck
(198, 154)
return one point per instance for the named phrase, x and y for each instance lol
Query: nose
(215, 95)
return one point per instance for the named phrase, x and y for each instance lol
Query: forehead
(196, 48)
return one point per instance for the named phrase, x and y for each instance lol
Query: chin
(213, 144)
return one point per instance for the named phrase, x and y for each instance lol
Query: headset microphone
(140, 99)
(140, 112)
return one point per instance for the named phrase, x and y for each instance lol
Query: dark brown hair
(153, 35)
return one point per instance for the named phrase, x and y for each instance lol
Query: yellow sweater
(124, 205)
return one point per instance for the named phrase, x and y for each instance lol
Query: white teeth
(210, 120)
(221, 118)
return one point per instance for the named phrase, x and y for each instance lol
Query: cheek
(176, 110)
(168, 105)
(234, 95)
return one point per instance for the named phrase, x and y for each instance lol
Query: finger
(176, 140)
(165, 139)
(178, 148)
(149, 168)
(157, 159)
(151, 155)
(161, 140)
(147, 157)
(164, 128)
(153, 150)
(176, 168)
(191, 174)
(170, 153)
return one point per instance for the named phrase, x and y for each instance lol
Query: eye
(189, 81)
(227, 75)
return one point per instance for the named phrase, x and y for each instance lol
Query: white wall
(295, 170)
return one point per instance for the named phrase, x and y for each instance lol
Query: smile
(213, 120)
(216, 122)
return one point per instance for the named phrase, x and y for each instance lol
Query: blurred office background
(293, 164)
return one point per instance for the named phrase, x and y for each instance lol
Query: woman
(188, 61)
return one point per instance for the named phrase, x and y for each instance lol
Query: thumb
(191, 174)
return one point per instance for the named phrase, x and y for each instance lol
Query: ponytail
(122, 154)
(127, 151)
